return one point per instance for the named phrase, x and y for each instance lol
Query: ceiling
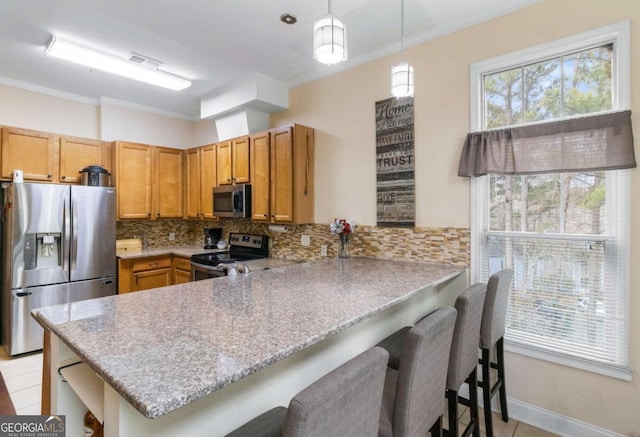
(211, 42)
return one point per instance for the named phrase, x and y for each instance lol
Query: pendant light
(402, 73)
(329, 39)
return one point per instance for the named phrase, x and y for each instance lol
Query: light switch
(305, 240)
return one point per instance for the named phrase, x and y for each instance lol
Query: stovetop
(242, 247)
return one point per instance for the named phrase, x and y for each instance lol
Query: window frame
(618, 183)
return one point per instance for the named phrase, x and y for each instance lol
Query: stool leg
(486, 391)
(503, 388)
(452, 412)
(473, 398)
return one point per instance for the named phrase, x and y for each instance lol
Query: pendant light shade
(402, 80)
(402, 73)
(329, 40)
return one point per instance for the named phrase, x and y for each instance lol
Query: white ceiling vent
(144, 61)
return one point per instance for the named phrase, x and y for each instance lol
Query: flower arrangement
(343, 229)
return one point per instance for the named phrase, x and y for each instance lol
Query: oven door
(202, 271)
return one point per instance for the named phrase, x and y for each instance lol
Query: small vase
(343, 250)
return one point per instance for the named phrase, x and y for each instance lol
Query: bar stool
(463, 361)
(346, 401)
(412, 402)
(492, 334)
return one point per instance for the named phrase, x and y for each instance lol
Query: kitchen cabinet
(282, 175)
(181, 270)
(233, 161)
(136, 274)
(168, 182)
(33, 152)
(78, 153)
(136, 166)
(200, 180)
(132, 175)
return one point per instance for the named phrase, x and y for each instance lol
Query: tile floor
(23, 377)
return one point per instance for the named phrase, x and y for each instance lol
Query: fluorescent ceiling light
(95, 58)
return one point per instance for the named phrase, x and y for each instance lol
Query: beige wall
(341, 108)
(30, 110)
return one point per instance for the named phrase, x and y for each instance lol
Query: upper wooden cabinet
(168, 182)
(282, 175)
(132, 174)
(260, 175)
(35, 153)
(78, 153)
(150, 181)
(200, 179)
(233, 161)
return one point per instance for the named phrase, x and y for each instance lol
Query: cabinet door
(133, 163)
(208, 179)
(169, 182)
(260, 187)
(30, 151)
(240, 160)
(193, 178)
(151, 279)
(223, 153)
(76, 154)
(282, 175)
(181, 270)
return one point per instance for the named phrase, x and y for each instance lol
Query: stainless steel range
(242, 247)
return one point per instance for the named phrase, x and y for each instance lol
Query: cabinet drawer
(151, 263)
(182, 264)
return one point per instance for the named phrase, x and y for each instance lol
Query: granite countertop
(164, 348)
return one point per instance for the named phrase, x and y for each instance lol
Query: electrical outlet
(305, 240)
(172, 236)
(323, 250)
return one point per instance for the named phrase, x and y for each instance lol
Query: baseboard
(553, 422)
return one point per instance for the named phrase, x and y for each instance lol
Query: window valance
(598, 142)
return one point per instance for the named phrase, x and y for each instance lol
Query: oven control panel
(247, 240)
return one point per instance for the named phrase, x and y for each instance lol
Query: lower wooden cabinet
(181, 270)
(136, 274)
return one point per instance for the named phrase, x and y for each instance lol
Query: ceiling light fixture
(100, 60)
(288, 19)
(402, 73)
(329, 39)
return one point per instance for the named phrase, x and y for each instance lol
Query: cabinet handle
(306, 168)
(158, 215)
(153, 264)
(49, 176)
(149, 215)
(63, 177)
(264, 215)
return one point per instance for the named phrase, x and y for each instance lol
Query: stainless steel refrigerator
(58, 246)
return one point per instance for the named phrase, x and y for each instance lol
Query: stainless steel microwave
(232, 201)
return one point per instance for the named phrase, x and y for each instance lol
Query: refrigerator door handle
(66, 226)
(74, 231)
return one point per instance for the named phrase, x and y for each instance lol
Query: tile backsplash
(447, 245)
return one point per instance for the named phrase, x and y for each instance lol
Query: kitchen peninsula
(203, 357)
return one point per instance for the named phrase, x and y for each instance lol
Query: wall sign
(396, 203)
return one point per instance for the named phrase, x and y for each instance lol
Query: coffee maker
(211, 237)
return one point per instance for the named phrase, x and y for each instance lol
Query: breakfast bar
(204, 357)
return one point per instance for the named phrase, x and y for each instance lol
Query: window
(565, 235)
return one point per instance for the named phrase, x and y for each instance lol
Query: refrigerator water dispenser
(42, 251)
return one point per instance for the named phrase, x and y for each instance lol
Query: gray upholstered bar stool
(463, 361)
(413, 401)
(344, 402)
(492, 334)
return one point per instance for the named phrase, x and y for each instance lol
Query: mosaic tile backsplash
(446, 245)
